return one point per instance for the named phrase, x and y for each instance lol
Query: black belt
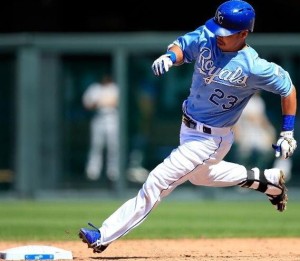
(193, 125)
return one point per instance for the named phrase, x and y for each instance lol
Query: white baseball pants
(198, 159)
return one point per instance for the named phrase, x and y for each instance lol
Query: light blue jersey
(223, 82)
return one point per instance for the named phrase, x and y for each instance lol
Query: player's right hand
(162, 64)
(285, 145)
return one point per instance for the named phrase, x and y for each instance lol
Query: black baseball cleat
(280, 201)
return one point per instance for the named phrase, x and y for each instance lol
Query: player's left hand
(162, 64)
(285, 145)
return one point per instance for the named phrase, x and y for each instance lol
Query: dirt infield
(282, 249)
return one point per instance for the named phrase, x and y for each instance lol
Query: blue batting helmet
(232, 17)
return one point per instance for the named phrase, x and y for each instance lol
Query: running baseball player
(227, 73)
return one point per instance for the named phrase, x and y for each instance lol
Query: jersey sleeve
(189, 44)
(272, 77)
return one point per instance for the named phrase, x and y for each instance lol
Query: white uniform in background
(104, 129)
(254, 134)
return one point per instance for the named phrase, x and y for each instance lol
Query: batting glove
(162, 64)
(285, 145)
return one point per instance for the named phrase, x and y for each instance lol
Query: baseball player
(102, 97)
(227, 73)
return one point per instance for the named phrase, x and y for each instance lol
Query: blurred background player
(253, 134)
(146, 96)
(103, 97)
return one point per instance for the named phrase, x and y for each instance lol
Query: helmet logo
(231, 17)
(219, 17)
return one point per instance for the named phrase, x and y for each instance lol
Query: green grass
(62, 220)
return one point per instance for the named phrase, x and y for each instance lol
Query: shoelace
(97, 243)
(93, 226)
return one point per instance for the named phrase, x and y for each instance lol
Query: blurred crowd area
(99, 16)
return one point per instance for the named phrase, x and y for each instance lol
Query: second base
(35, 252)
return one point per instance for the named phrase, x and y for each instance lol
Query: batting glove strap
(286, 145)
(287, 134)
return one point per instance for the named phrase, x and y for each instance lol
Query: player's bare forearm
(289, 103)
